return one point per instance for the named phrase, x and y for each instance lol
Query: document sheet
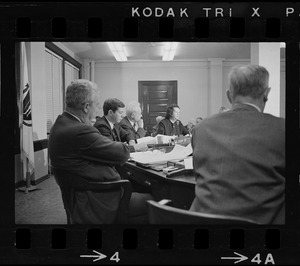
(158, 157)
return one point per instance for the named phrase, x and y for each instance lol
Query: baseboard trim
(22, 183)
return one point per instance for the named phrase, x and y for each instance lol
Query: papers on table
(159, 139)
(147, 140)
(188, 163)
(163, 139)
(158, 157)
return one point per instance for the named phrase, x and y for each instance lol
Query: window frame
(66, 59)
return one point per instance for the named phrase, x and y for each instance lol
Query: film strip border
(60, 28)
(69, 245)
(150, 21)
(165, 238)
(207, 22)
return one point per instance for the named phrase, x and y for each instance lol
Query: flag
(27, 153)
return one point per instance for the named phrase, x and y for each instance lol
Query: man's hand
(131, 142)
(140, 123)
(140, 147)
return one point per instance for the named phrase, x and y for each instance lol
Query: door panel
(154, 97)
(163, 94)
(159, 107)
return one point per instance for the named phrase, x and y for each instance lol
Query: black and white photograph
(150, 133)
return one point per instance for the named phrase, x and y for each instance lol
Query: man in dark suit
(133, 122)
(239, 155)
(108, 125)
(79, 149)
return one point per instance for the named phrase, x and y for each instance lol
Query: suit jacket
(126, 125)
(166, 127)
(104, 128)
(239, 164)
(81, 150)
(121, 135)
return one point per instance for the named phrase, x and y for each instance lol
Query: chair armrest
(167, 202)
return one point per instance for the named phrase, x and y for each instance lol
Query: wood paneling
(154, 97)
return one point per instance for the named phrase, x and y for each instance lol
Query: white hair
(132, 107)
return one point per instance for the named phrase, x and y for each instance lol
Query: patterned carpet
(42, 206)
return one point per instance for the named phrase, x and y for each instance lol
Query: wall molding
(22, 183)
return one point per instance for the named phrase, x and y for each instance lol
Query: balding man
(239, 155)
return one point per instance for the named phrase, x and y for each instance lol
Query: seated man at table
(108, 125)
(133, 122)
(79, 149)
(171, 125)
(239, 155)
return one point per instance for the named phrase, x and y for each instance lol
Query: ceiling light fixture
(117, 50)
(169, 51)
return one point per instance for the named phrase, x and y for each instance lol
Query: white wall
(282, 89)
(120, 80)
(39, 123)
(268, 55)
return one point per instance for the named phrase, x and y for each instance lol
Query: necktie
(115, 134)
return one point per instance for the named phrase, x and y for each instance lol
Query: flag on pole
(27, 152)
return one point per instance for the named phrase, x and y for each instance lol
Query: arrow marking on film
(100, 256)
(239, 258)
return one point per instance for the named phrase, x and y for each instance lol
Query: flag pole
(28, 187)
(28, 181)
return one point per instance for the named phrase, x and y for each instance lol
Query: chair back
(70, 183)
(162, 214)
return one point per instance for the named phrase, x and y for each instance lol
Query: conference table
(180, 188)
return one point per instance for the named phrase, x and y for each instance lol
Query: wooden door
(154, 97)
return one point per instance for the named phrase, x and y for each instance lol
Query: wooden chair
(161, 213)
(69, 184)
